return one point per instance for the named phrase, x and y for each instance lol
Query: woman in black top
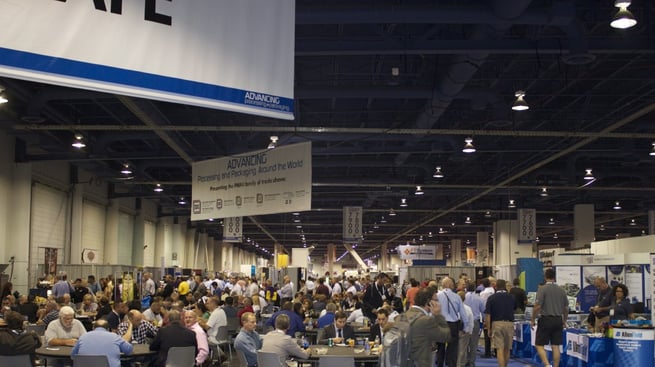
(620, 309)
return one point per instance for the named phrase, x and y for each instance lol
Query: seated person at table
(104, 308)
(191, 322)
(116, 315)
(141, 329)
(27, 307)
(357, 316)
(175, 334)
(156, 313)
(64, 331)
(338, 331)
(248, 340)
(296, 323)
(50, 313)
(377, 330)
(100, 341)
(14, 340)
(328, 318)
(88, 307)
(279, 342)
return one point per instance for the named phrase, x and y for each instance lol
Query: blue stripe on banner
(131, 78)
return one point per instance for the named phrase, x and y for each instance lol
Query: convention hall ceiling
(387, 91)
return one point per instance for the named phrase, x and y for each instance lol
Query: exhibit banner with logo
(262, 182)
(417, 252)
(230, 55)
(633, 347)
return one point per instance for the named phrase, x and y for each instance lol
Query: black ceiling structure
(386, 91)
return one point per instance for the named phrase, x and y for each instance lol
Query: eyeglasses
(619, 290)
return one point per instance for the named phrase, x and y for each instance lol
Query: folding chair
(21, 360)
(333, 361)
(267, 359)
(181, 357)
(80, 360)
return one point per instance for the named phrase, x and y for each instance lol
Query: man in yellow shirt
(183, 287)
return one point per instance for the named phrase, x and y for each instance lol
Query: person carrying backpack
(410, 340)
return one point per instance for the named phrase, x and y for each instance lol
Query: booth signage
(416, 252)
(527, 226)
(352, 223)
(233, 229)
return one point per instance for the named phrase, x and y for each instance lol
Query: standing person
(172, 335)
(149, 287)
(499, 312)
(93, 285)
(464, 347)
(452, 308)
(191, 322)
(602, 308)
(286, 292)
(14, 340)
(552, 307)
(100, 341)
(620, 309)
(61, 287)
(278, 342)
(486, 292)
(375, 295)
(427, 326)
(519, 295)
(248, 340)
(411, 292)
(475, 302)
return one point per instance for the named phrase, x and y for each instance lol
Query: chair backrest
(80, 360)
(39, 329)
(222, 334)
(334, 361)
(181, 357)
(268, 359)
(242, 358)
(21, 360)
(233, 325)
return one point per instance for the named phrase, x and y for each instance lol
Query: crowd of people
(446, 316)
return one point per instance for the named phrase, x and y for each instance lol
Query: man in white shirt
(286, 292)
(217, 318)
(149, 288)
(253, 288)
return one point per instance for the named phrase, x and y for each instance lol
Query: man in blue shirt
(101, 341)
(248, 340)
(328, 318)
(473, 300)
(452, 309)
(295, 322)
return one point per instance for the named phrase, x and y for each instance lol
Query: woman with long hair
(620, 308)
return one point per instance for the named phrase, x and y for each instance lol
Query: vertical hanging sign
(352, 223)
(527, 226)
(232, 229)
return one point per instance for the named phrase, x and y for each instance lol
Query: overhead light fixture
(3, 99)
(520, 104)
(126, 170)
(418, 191)
(439, 174)
(551, 221)
(468, 146)
(652, 152)
(78, 142)
(375, 225)
(543, 192)
(403, 203)
(296, 220)
(392, 213)
(273, 142)
(602, 227)
(382, 220)
(623, 19)
(468, 220)
(511, 204)
(588, 175)
(616, 206)
(429, 234)
(632, 222)
(441, 231)
(182, 201)
(158, 188)
(211, 219)
(555, 236)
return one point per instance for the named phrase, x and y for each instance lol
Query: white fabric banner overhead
(263, 182)
(527, 226)
(232, 55)
(417, 252)
(352, 223)
(233, 229)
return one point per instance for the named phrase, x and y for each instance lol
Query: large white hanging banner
(232, 55)
(263, 182)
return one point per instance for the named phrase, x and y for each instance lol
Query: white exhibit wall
(624, 245)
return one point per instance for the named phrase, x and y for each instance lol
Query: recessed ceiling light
(392, 213)
(511, 204)
(78, 142)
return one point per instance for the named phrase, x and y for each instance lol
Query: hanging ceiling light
(632, 222)
(3, 99)
(588, 175)
(555, 236)
(468, 220)
(511, 204)
(468, 146)
(78, 142)
(652, 152)
(392, 213)
(382, 220)
(375, 225)
(623, 19)
(551, 221)
(487, 214)
(418, 191)
(403, 203)
(182, 201)
(126, 170)
(543, 192)
(602, 227)
(439, 174)
(616, 206)
(441, 231)
(520, 104)
(273, 142)
(158, 188)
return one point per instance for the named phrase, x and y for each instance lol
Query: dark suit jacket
(173, 335)
(330, 332)
(375, 331)
(373, 299)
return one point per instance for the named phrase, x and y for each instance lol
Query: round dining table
(338, 351)
(61, 352)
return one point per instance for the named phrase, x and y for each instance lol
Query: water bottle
(367, 347)
(330, 343)
(377, 342)
(305, 343)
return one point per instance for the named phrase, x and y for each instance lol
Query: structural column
(111, 233)
(17, 234)
(482, 247)
(456, 252)
(506, 247)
